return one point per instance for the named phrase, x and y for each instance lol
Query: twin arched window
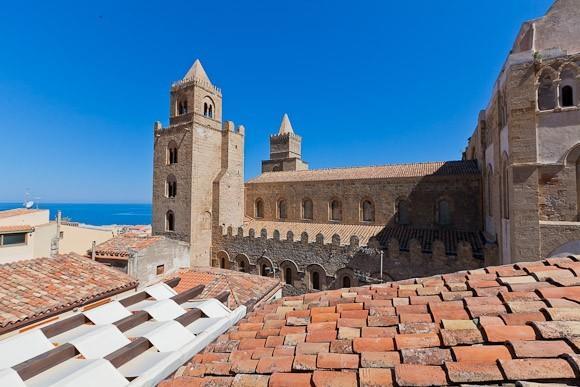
(367, 211)
(171, 186)
(282, 209)
(171, 153)
(335, 210)
(307, 209)
(182, 107)
(554, 91)
(169, 221)
(259, 208)
(208, 109)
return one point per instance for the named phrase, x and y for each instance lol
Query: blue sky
(364, 83)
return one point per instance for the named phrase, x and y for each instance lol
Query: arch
(567, 96)
(547, 89)
(182, 107)
(171, 153)
(443, 212)
(568, 84)
(316, 277)
(223, 259)
(243, 263)
(402, 214)
(505, 179)
(265, 266)
(171, 186)
(335, 210)
(282, 209)
(307, 209)
(259, 208)
(367, 211)
(345, 278)
(169, 221)
(208, 107)
(276, 168)
(489, 190)
(288, 271)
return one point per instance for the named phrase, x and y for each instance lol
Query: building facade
(513, 197)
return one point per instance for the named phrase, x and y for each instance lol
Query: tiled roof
(37, 288)
(18, 228)
(500, 324)
(123, 245)
(18, 212)
(243, 287)
(439, 168)
(403, 234)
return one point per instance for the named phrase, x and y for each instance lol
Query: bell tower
(197, 167)
(285, 150)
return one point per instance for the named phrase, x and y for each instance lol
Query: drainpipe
(382, 254)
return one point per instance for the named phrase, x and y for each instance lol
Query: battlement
(183, 83)
(229, 126)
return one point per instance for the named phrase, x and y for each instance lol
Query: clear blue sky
(367, 82)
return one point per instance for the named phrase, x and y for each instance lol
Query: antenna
(27, 202)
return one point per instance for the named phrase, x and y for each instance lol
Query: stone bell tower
(198, 167)
(285, 150)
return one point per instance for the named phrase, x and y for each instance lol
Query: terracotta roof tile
(34, 288)
(393, 171)
(18, 212)
(125, 245)
(18, 228)
(379, 334)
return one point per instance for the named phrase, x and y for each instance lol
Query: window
(208, 109)
(546, 92)
(307, 209)
(171, 153)
(346, 281)
(171, 187)
(182, 107)
(402, 216)
(567, 96)
(368, 211)
(335, 210)
(160, 269)
(223, 263)
(169, 221)
(259, 210)
(276, 168)
(242, 266)
(13, 239)
(282, 209)
(288, 276)
(443, 213)
(315, 280)
(265, 270)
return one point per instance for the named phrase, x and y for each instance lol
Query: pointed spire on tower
(197, 72)
(285, 126)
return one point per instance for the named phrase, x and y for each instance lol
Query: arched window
(169, 221)
(346, 281)
(242, 265)
(402, 216)
(505, 189)
(182, 107)
(264, 271)
(567, 96)
(210, 111)
(335, 210)
(368, 211)
(171, 186)
(259, 210)
(315, 280)
(307, 209)
(282, 209)
(171, 153)
(222, 263)
(546, 92)
(205, 109)
(288, 276)
(443, 213)
(276, 168)
(489, 190)
(208, 107)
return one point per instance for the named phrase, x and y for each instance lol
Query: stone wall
(303, 255)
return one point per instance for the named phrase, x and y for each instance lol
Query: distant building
(77, 238)
(27, 233)
(147, 258)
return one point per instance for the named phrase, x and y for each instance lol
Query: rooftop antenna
(27, 202)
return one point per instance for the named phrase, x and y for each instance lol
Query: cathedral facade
(513, 196)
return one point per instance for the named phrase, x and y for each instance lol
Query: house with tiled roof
(144, 257)
(499, 325)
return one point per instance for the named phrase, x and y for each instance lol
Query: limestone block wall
(335, 260)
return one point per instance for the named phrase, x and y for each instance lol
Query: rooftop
(392, 171)
(124, 245)
(500, 324)
(38, 288)
(18, 212)
(243, 288)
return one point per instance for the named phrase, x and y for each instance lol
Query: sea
(97, 214)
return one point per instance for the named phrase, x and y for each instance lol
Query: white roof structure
(136, 341)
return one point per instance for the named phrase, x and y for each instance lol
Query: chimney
(93, 250)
